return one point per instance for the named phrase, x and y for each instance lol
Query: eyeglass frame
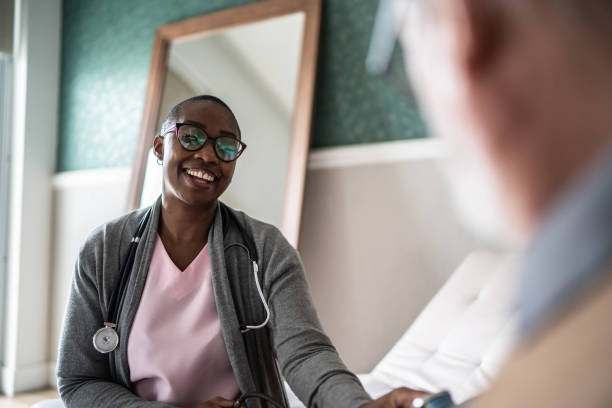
(177, 125)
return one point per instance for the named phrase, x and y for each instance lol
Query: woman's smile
(201, 174)
(199, 177)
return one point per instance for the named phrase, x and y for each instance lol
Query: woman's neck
(181, 222)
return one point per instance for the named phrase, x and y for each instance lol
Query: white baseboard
(87, 178)
(25, 378)
(376, 153)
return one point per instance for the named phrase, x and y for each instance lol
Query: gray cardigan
(294, 336)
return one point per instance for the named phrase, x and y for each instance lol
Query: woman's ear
(158, 147)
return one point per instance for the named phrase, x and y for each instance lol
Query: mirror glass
(254, 69)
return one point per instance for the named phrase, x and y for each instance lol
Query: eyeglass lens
(192, 138)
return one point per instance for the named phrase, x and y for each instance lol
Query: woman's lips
(201, 174)
(199, 178)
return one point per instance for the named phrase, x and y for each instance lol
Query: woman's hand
(217, 402)
(398, 398)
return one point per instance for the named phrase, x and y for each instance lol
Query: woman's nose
(207, 152)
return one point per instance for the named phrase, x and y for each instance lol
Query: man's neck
(547, 172)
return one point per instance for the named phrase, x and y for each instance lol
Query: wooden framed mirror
(261, 60)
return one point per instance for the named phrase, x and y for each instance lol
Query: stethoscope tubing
(262, 298)
(126, 269)
(118, 295)
(106, 339)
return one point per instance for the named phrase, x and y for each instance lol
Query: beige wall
(377, 242)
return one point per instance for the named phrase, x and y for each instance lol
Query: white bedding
(459, 341)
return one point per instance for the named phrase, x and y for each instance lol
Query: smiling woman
(207, 304)
(260, 58)
(196, 172)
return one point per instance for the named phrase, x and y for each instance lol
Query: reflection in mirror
(254, 69)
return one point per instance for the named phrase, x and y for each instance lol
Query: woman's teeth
(201, 174)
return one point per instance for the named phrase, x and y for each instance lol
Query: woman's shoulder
(261, 232)
(112, 230)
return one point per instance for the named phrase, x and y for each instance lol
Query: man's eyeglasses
(192, 137)
(390, 19)
(385, 58)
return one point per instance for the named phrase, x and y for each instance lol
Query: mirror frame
(302, 110)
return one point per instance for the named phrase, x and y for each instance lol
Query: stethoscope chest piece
(106, 339)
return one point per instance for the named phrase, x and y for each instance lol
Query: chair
(459, 341)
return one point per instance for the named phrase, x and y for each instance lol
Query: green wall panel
(106, 50)
(352, 106)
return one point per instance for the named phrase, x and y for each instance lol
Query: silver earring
(160, 162)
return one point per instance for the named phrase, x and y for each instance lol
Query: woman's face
(197, 178)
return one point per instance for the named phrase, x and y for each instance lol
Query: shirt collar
(571, 249)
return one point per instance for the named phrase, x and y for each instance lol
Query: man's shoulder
(567, 363)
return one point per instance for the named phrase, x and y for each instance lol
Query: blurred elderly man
(522, 92)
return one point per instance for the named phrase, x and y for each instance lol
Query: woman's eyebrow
(223, 132)
(227, 132)
(193, 122)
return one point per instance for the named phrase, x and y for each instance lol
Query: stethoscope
(247, 328)
(106, 339)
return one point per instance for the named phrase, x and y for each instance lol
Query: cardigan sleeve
(308, 360)
(83, 374)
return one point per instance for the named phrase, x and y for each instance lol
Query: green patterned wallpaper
(106, 50)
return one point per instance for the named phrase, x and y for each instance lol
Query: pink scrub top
(176, 351)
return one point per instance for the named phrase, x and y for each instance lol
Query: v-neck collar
(194, 261)
(230, 328)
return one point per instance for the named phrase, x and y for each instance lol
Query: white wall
(378, 239)
(271, 49)
(36, 84)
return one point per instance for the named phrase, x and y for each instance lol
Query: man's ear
(482, 28)
(158, 147)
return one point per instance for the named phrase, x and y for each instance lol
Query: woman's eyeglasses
(192, 137)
